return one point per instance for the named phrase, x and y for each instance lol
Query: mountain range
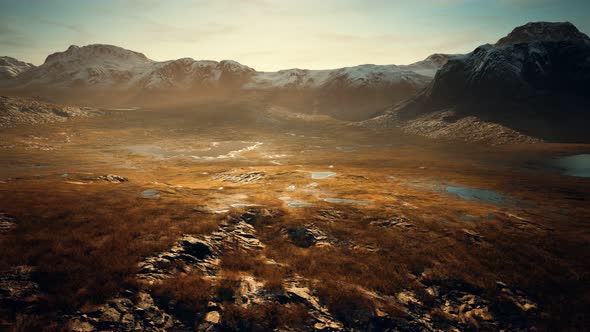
(531, 85)
(88, 73)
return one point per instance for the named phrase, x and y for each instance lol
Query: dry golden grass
(190, 292)
(85, 245)
(86, 240)
(264, 317)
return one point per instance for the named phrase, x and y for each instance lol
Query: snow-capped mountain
(106, 69)
(358, 76)
(429, 66)
(536, 81)
(105, 66)
(11, 68)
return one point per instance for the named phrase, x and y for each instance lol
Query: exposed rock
(400, 222)
(472, 237)
(331, 215)
(187, 254)
(212, 317)
(517, 297)
(6, 223)
(307, 236)
(297, 292)
(125, 314)
(18, 290)
(201, 253)
(112, 178)
(240, 178)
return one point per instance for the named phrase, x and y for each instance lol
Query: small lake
(576, 165)
(321, 175)
(344, 200)
(482, 195)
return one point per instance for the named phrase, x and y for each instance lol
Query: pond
(576, 165)
(150, 193)
(344, 200)
(299, 204)
(482, 195)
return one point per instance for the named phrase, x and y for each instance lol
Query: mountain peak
(544, 32)
(11, 67)
(96, 53)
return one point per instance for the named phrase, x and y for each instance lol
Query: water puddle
(299, 204)
(344, 200)
(482, 195)
(469, 218)
(150, 193)
(321, 175)
(576, 165)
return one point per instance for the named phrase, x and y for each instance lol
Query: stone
(212, 317)
(240, 178)
(307, 236)
(80, 326)
(6, 223)
(110, 315)
(112, 178)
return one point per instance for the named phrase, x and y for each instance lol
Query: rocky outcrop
(112, 178)
(397, 222)
(7, 223)
(240, 177)
(307, 236)
(25, 111)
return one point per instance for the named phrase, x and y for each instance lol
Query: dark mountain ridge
(535, 81)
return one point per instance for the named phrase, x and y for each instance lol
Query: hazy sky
(274, 34)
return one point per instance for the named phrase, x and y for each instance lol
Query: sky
(274, 34)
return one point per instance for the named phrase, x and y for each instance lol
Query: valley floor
(255, 223)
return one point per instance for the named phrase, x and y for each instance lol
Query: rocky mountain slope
(531, 85)
(19, 111)
(11, 68)
(96, 71)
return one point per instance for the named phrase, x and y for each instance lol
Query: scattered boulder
(187, 254)
(125, 314)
